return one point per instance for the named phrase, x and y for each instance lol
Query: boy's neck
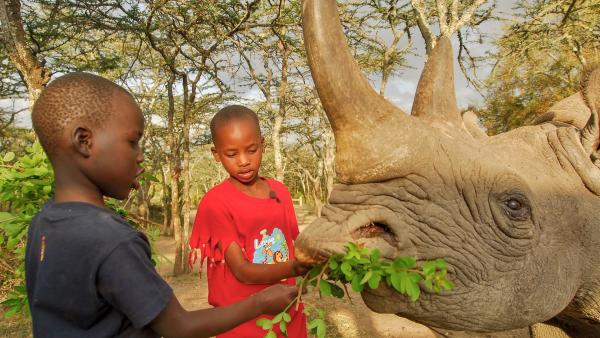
(72, 186)
(257, 188)
(71, 195)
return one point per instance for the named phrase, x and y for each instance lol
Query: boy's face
(239, 147)
(115, 155)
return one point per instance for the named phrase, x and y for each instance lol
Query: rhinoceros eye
(513, 204)
(517, 207)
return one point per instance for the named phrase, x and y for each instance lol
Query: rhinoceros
(515, 215)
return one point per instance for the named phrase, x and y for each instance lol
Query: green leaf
(374, 281)
(264, 323)
(366, 277)
(146, 176)
(315, 271)
(337, 291)
(12, 242)
(347, 269)
(413, 291)
(375, 256)
(286, 317)
(429, 284)
(5, 216)
(277, 318)
(414, 277)
(325, 288)
(356, 286)
(447, 285)
(429, 268)
(404, 262)
(270, 334)
(11, 311)
(333, 264)
(321, 328)
(396, 282)
(312, 324)
(440, 264)
(13, 228)
(283, 327)
(8, 157)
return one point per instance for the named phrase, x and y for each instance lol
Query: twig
(347, 293)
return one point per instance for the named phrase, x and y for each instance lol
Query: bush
(25, 185)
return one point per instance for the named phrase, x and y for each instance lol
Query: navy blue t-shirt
(89, 274)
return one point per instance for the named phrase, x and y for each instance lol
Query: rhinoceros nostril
(375, 229)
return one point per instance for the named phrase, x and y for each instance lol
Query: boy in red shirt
(246, 225)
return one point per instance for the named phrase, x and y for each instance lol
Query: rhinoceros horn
(435, 99)
(372, 135)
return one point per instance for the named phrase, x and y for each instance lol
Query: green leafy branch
(25, 185)
(360, 267)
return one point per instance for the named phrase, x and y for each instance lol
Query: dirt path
(344, 319)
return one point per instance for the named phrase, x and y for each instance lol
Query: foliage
(25, 185)
(361, 267)
(539, 60)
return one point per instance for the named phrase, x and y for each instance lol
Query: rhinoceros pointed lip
(375, 227)
(373, 222)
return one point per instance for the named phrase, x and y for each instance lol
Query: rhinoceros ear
(590, 134)
(571, 110)
(581, 111)
(471, 124)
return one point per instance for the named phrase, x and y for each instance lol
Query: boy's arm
(175, 322)
(250, 273)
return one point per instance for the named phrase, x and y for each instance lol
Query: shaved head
(231, 113)
(76, 97)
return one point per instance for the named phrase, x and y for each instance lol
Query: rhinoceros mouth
(373, 230)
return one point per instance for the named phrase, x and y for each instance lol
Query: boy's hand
(276, 298)
(300, 269)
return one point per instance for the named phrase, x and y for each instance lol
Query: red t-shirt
(263, 228)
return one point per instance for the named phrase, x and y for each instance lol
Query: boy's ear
(215, 154)
(81, 139)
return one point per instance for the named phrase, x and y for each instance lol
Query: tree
(268, 48)
(14, 39)
(539, 60)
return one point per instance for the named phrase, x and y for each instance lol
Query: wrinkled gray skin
(514, 215)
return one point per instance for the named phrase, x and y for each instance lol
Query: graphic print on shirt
(270, 249)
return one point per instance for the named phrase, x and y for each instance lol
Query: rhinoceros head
(516, 215)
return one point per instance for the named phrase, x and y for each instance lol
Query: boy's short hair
(230, 113)
(73, 97)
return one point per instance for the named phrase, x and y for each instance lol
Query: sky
(400, 89)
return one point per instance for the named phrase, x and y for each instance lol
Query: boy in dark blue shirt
(88, 272)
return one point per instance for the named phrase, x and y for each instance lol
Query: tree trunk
(12, 35)
(175, 170)
(186, 174)
(166, 229)
(280, 117)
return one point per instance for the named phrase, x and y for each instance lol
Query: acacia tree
(15, 41)
(539, 60)
(269, 51)
(380, 34)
